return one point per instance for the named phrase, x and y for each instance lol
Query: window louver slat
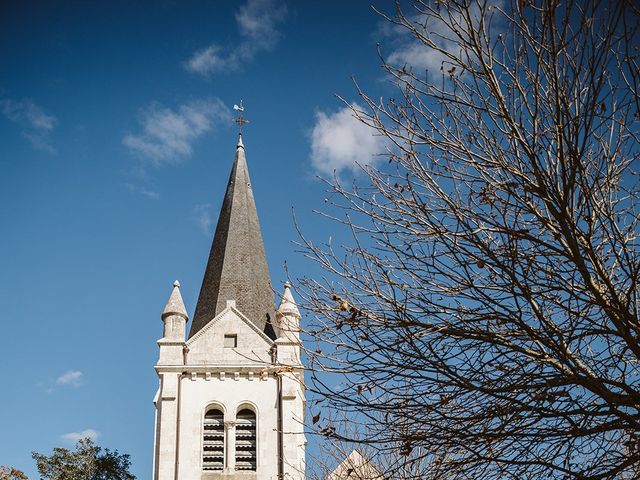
(213, 441)
(246, 440)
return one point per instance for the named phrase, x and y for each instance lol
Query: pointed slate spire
(175, 305)
(237, 267)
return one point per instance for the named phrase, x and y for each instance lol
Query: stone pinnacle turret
(175, 304)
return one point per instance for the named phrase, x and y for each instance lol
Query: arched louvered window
(213, 440)
(246, 440)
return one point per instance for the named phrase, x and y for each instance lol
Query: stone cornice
(256, 369)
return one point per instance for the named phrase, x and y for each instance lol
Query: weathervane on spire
(240, 120)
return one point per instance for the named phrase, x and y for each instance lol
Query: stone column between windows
(230, 435)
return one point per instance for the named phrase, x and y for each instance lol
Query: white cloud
(209, 61)
(144, 191)
(72, 377)
(37, 125)
(150, 194)
(168, 135)
(412, 53)
(419, 57)
(203, 216)
(73, 437)
(339, 140)
(257, 21)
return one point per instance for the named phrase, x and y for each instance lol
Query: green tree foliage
(87, 462)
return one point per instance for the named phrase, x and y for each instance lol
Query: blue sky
(116, 141)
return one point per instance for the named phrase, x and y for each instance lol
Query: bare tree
(484, 313)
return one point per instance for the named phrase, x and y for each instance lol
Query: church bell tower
(231, 399)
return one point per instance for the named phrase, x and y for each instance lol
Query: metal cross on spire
(240, 120)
